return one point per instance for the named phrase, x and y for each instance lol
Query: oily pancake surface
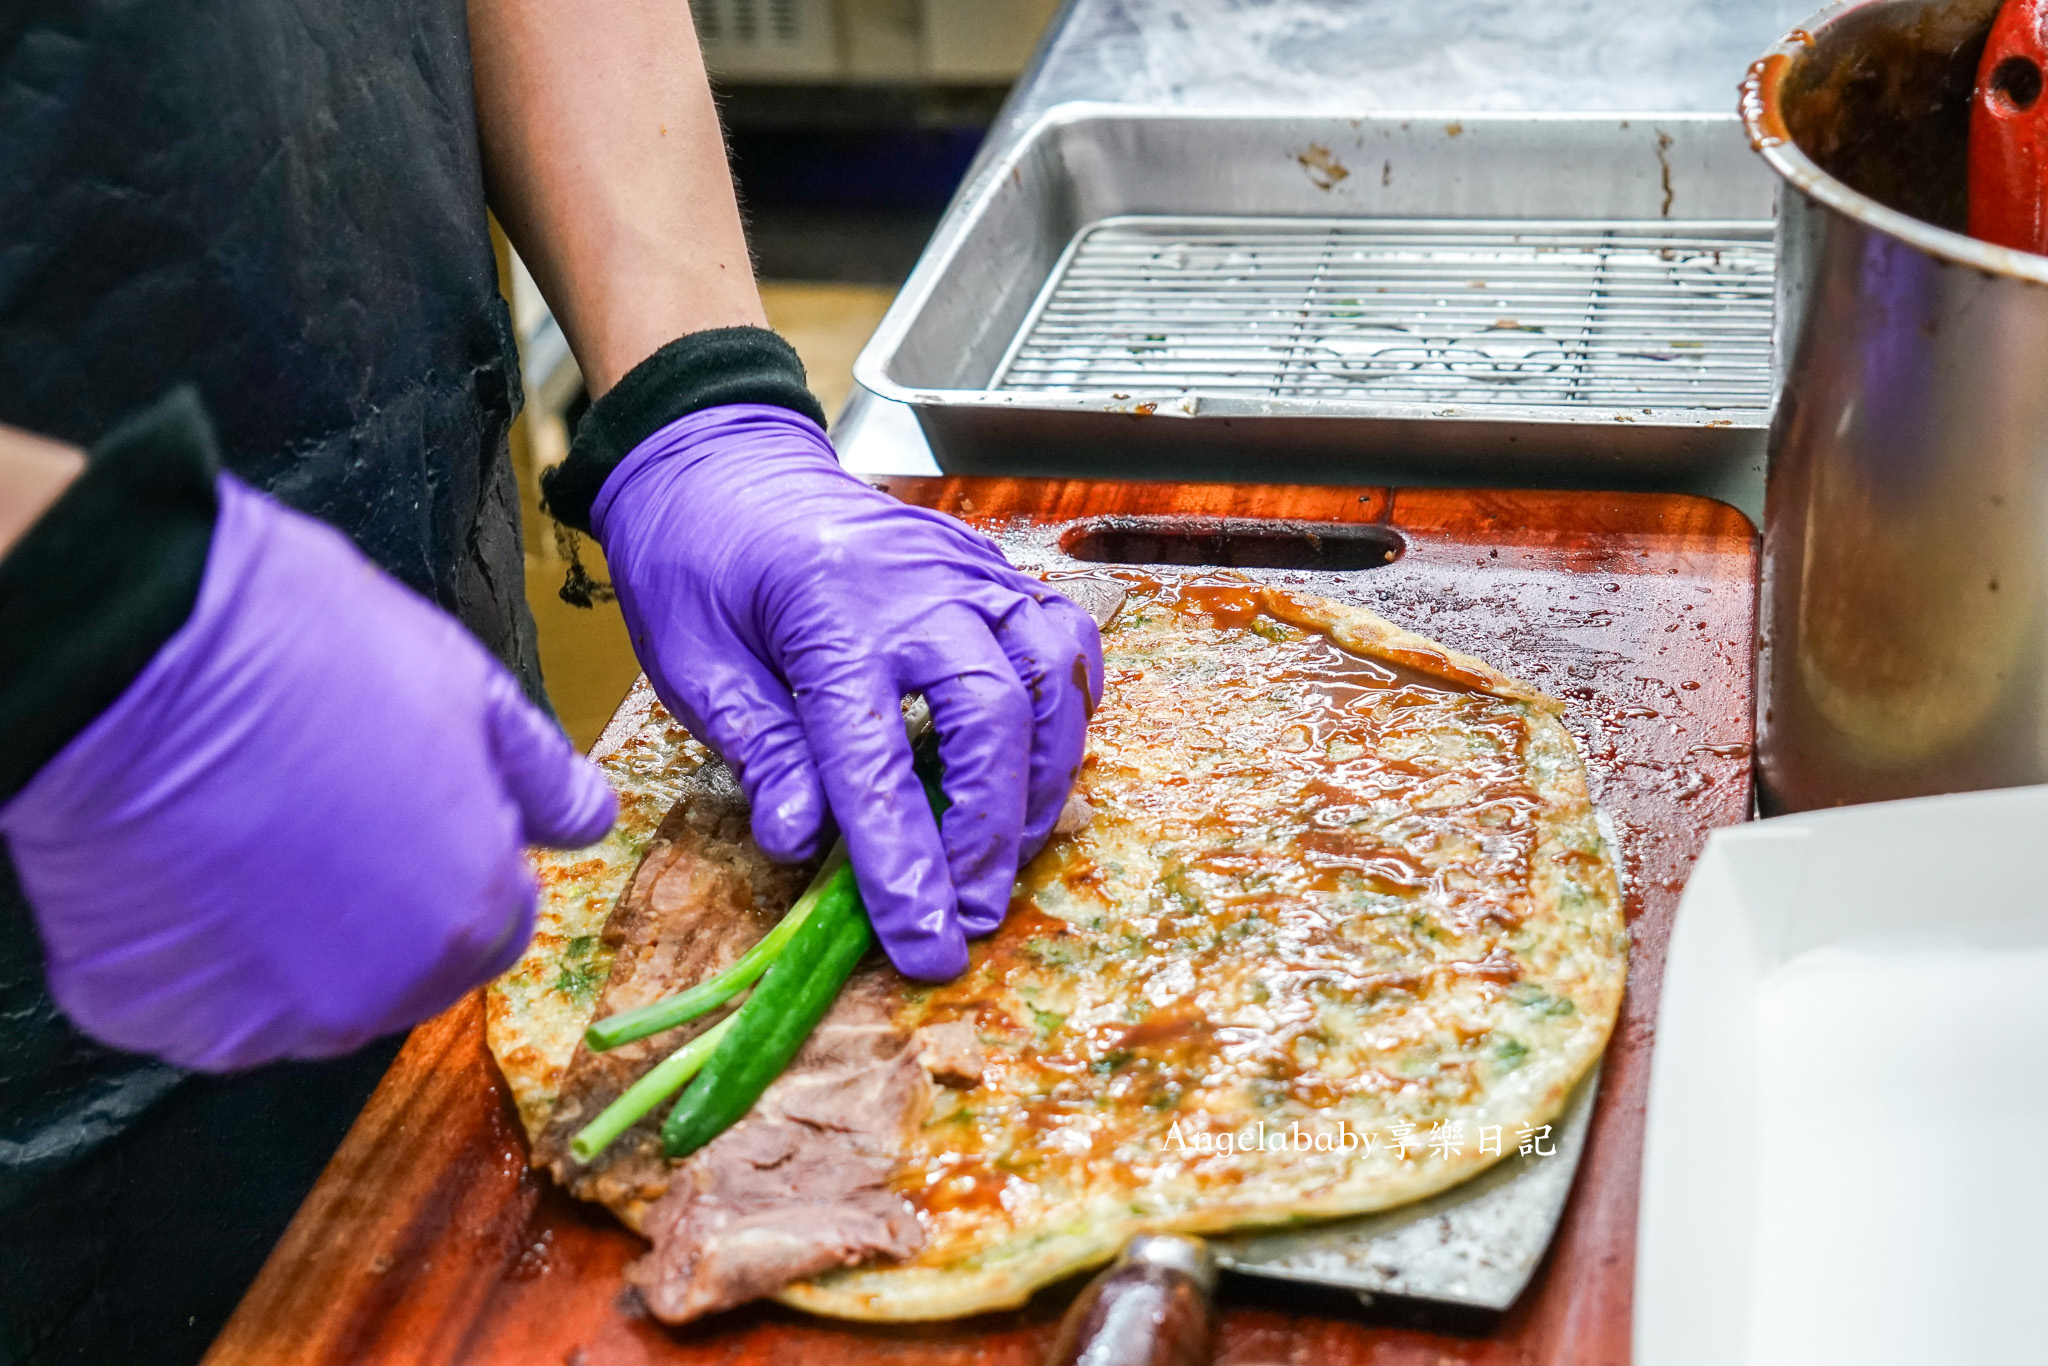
(1322, 891)
(1339, 882)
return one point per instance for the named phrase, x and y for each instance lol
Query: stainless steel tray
(1560, 298)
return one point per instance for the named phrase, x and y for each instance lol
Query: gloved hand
(782, 609)
(302, 825)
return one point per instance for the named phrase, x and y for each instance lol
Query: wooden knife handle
(1150, 1308)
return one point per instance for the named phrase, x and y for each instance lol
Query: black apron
(281, 202)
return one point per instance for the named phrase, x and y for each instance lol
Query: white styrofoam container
(1846, 1152)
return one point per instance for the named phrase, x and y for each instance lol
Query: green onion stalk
(805, 959)
(709, 995)
(667, 1077)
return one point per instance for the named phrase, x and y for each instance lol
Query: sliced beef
(802, 1183)
(1074, 816)
(702, 896)
(951, 1053)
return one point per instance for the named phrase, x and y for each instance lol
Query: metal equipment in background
(1904, 613)
(901, 41)
(1554, 299)
(1465, 311)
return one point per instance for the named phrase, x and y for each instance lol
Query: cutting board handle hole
(1234, 543)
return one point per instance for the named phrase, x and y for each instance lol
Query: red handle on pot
(2009, 131)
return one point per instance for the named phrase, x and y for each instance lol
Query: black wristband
(106, 575)
(702, 370)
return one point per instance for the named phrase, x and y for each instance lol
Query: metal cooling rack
(1466, 311)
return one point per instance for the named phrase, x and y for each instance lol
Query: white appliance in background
(906, 41)
(1844, 1153)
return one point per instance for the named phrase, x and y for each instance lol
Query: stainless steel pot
(1904, 621)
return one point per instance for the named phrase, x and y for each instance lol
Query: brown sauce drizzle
(1365, 825)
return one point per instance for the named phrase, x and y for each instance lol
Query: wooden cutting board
(428, 1239)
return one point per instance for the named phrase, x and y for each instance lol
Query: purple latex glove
(302, 825)
(782, 609)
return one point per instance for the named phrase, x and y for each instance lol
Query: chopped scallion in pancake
(1339, 929)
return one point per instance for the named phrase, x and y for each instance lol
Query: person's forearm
(604, 161)
(34, 472)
